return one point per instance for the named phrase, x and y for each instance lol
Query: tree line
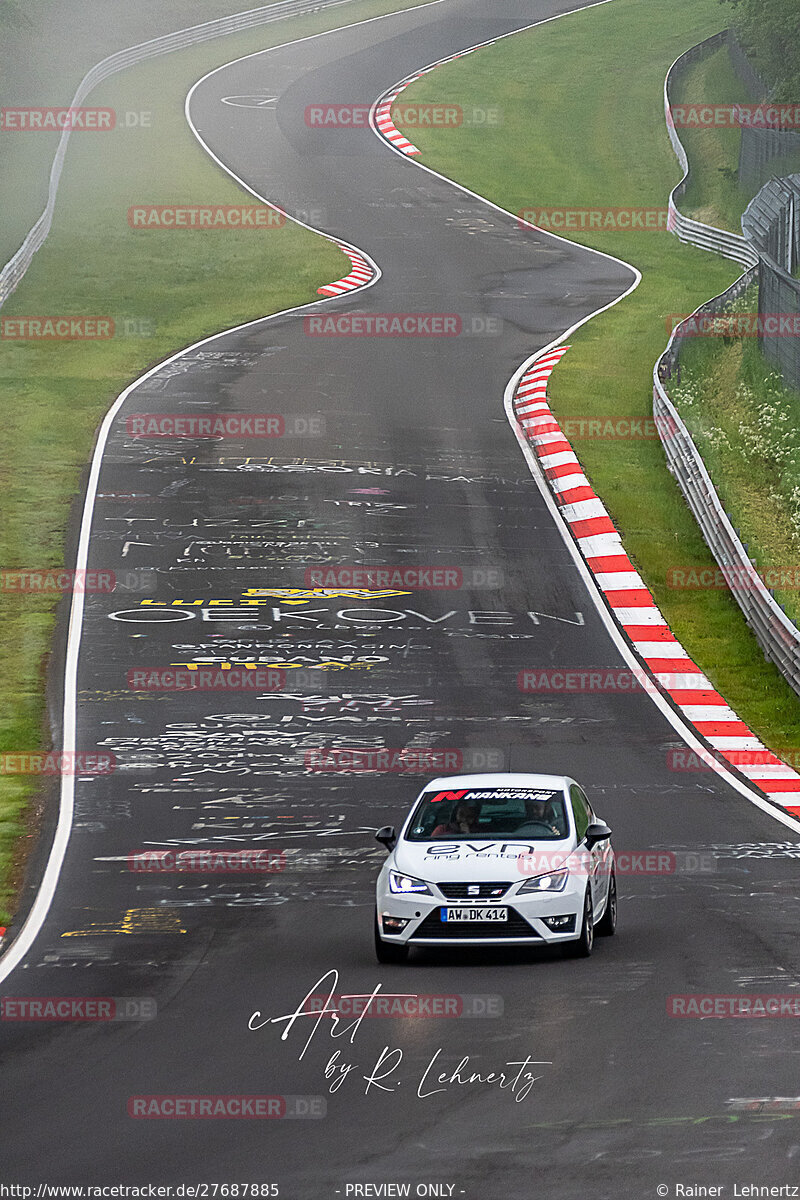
(769, 31)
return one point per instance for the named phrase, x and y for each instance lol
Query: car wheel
(608, 922)
(582, 948)
(388, 952)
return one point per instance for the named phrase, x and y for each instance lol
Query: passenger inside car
(463, 819)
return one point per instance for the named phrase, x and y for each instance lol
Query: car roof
(499, 779)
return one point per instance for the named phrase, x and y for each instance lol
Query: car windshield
(535, 813)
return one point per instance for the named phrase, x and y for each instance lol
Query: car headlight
(554, 881)
(406, 884)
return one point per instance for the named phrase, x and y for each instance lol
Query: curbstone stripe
(632, 604)
(361, 273)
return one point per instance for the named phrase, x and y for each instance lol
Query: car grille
(515, 927)
(486, 891)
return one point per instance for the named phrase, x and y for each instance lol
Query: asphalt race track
(417, 466)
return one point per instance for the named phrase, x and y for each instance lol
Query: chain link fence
(759, 147)
(744, 68)
(771, 222)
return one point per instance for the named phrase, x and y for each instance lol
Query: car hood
(503, 859)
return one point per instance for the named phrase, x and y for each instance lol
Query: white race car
(501, 859)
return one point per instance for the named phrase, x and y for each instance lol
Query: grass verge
(746, 425)
(163, 290)
(604, 144)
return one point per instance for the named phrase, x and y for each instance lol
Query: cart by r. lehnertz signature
(386, 1073)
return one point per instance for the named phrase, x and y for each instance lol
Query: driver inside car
(544, 813)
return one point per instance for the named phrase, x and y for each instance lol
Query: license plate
(474, 914)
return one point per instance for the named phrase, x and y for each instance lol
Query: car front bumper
(533, 918)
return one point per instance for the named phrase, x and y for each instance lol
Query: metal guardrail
(777, 635)
(731, 245)
(770, 222)
(15, 268)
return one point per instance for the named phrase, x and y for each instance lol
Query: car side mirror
(386, 836)
(597, 832)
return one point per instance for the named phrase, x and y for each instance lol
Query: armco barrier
(731, 245)
(778, 637)
(770, 223)
(16, 267)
